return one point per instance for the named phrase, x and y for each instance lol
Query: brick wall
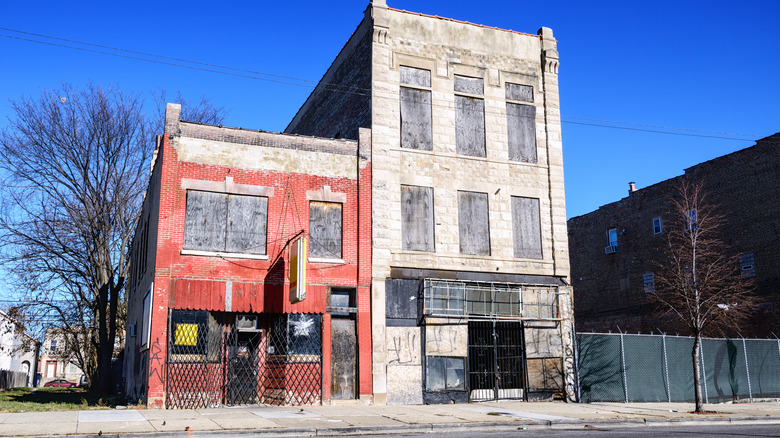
(608, 288)
(340, 104)
(291, 170)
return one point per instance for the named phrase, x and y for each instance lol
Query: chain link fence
(658, 368)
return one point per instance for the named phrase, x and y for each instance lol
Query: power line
(308, 83)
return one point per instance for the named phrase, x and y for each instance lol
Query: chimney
(631, 187)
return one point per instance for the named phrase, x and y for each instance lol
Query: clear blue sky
(711, 66)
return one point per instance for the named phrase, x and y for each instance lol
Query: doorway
(496, 360)
(343, 346)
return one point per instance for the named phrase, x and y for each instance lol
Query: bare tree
(74, 165)
(698, 281)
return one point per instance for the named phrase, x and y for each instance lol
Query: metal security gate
(496, 360)
(294, 358)
(228, 359)
(244, 366)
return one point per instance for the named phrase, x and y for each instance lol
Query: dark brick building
(613, 249)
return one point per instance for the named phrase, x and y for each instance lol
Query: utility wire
(252, 74)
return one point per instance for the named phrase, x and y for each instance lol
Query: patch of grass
(53, 399)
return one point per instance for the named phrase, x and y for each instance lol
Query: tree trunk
(104, 350)
(697, 373)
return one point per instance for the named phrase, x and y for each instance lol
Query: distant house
(57, 359)
(18, 351)
(612, 249)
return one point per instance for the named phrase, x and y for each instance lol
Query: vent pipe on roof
(631, 187)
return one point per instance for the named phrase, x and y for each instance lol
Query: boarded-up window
(416, 130)
(415, 76)
(469, 117)
(325, 230)
(521, 123)
(522, 93)
(246, 226)
(473, 223)
(221, 222)
(417, 218)
(526, 228)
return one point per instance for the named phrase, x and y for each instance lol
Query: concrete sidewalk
(359, 419)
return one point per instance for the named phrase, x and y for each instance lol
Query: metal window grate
(211, 362)
(490, 300)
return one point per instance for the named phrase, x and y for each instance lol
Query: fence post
(623, 366)
(747, 369)
(666, 371)
(703, 371)
(577, 364)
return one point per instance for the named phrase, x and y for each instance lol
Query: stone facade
(609, 288)
(393, 40)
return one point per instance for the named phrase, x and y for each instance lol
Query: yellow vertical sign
(298, 252)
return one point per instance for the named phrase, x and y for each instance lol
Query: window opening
(521, 123)
(416, 118)
(325, 230)
(747, 265)
(648, 283)
(657, 227)
(490, 300)
(469, 116)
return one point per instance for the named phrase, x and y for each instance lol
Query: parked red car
(60, 383)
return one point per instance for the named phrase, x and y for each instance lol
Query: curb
(437, 427)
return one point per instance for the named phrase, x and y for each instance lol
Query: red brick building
(614, 249)
(210, 314)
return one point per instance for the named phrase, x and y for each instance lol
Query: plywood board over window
(417, 218)
(469, 117)
(526, 228)
(204, 221)
(246, 224)
(521, 123)
(225, 223)
(416, 125)
(325, 230)
(473, 223)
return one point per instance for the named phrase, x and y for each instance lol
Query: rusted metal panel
(248, 298)
(246, 224)
(523, 93)
(198, 294)
(470, 126)
(204, 221)
(526, 228)
(325, 229)
(521, 132)
(464, 84)
(417, 218)
(343, 359)
(416, 131)
(473, 223)
(415, 76)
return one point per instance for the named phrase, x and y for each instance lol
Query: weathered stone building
(469, 295)
(613, 249)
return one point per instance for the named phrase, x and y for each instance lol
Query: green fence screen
(618, 367)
